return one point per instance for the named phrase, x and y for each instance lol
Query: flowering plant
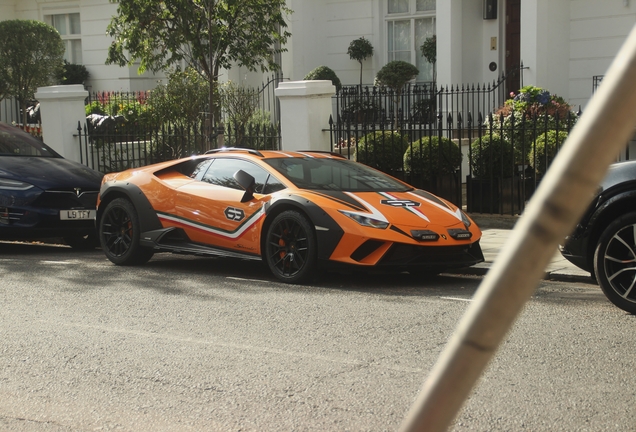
(529, 113)
(533, 101)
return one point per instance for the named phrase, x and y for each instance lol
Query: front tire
(615, 262)
(119, 233)
(290, 247)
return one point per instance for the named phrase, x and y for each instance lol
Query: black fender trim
(328, 232)
(148, 218)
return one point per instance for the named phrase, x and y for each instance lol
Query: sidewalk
(495, 233)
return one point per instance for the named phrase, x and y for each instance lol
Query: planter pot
(498, 195)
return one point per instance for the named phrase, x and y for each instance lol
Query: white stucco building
(563, 44)
(82, 25)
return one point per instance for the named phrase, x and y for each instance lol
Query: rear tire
(615, 262)
(290, 247)
(119, 233)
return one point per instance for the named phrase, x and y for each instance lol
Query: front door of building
(513, 45)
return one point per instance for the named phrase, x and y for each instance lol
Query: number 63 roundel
(234, 214)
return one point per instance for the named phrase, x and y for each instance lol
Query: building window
(68, 25)
(409, 23)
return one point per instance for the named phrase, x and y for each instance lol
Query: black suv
(604, 241)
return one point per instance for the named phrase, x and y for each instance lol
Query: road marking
(456, 298)
(246, 279)
(235, 346)
(56, 262)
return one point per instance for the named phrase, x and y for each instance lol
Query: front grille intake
(63, 200)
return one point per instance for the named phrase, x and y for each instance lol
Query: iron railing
(454, 142)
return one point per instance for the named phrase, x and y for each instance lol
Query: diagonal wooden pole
(555, 208)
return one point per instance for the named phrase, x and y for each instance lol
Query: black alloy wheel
(290, 249)
(119, 232)
(615, 262)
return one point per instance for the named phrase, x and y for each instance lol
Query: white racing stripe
(374, 211)
(457, 213)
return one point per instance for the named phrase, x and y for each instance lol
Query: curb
(578, 276)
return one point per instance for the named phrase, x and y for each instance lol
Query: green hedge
(545, 149)
(489, 154)
(432, 156)
(382, 150)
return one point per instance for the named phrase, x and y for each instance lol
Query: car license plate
(77, 214)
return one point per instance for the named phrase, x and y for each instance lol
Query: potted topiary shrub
(545, 149)
(382, 150)
(359, 50)
(395, 75)
(432, 163)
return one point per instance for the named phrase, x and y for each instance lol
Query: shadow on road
(173, 274)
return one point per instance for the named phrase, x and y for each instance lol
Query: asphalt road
(188, 343)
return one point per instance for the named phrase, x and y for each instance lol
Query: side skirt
(175, 240)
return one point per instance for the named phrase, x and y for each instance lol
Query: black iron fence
(464, 144)
(123, 131)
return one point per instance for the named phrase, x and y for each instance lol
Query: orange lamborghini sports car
(297, 211)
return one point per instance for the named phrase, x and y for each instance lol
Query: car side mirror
(247, 182)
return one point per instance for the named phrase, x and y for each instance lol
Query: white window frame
(69, 55)
(412, 15)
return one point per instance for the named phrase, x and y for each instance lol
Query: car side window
(200, 169)
(221, 173)
(272, 185)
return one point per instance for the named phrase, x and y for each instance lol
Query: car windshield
(334, 174)
(14, 142)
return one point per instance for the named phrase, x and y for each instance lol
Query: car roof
(269, 154)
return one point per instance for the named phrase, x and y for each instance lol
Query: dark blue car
(43, 195)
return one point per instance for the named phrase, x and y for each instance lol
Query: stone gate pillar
(305, 107)
(61, 107)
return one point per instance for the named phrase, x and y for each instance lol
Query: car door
(212, 211)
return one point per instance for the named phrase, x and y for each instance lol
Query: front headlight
(465, 219)
(8, 184)
(366, 220)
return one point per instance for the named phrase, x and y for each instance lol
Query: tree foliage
(31, 54)
(72, 73)
(181, 99)
(207, 34)
(239, 103)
